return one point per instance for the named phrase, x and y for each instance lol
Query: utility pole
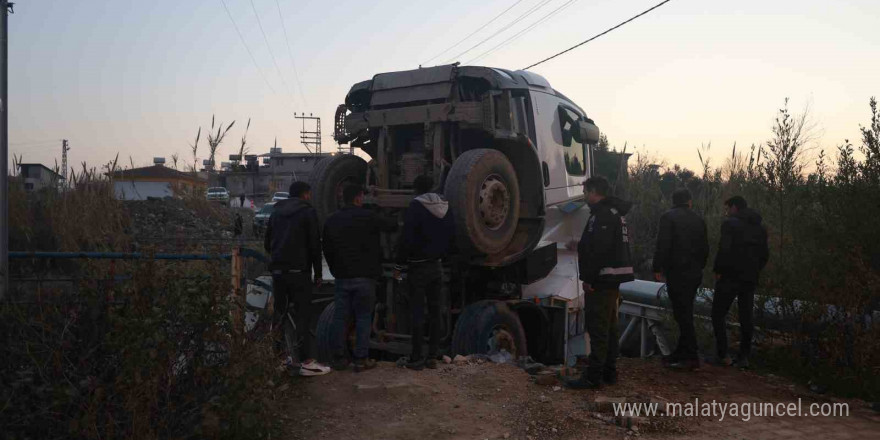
(5, 9)
(312, 138)
(64, 150)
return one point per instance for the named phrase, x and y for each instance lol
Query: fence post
(237, 311)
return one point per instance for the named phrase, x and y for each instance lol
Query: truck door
(567, 160)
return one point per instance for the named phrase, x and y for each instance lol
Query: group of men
(680, 257)
(350, 243)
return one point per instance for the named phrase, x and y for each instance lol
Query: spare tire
(328, 178)
(488, 326)
(483, 192)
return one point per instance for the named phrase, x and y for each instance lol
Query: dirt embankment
(489, 401)
(185, 226)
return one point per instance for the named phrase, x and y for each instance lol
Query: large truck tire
(483, 192)
(488, 326)
(324, 335)
(329, 176)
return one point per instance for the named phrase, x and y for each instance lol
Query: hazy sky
(140, 77)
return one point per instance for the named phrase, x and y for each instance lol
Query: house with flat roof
(155, 181)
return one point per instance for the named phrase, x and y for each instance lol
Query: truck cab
(502, 146)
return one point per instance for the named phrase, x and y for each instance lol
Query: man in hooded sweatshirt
(293, 241)
(604, 263)
(428, 233)
(742, 254)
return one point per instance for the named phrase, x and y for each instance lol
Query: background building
(37, 176)
(155, 181)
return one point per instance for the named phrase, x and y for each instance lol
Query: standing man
(682, 250)
(353, 252)
(742, 254)
(293, 241)
(604, 263)
(428, 231)
(241, 200)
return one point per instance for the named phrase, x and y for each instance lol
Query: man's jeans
(293, 294)
(726, 291)
(424, 281)
(353, 296)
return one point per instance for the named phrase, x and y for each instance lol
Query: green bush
(824, 247)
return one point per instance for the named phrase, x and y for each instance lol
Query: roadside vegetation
(139, 349)
(824, 268)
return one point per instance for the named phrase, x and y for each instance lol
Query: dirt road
(488, 401)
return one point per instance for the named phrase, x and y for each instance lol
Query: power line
(515, 21)
(523, 32)
(472, 33)
(290, 54)
(272, 54)
(240, 37)
(598, 35)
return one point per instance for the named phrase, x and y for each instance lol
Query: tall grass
(825, 249)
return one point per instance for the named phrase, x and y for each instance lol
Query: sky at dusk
(139, 78)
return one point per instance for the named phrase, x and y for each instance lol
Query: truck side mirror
(585, 132)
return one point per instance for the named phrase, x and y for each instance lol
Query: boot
(364, 364)
(609, 376)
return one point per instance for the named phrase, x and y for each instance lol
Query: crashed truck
(510, 153)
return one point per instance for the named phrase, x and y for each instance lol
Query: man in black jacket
(354, 254)
(428, 233)
(293, 241)
(604, 263)
(742, 254)
(682, 250)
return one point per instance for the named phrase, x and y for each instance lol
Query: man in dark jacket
(682, 250)
(354, 254)
(428, 233)
(604, 263)
(742, 254)
(293, 241)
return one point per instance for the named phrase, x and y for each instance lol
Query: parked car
(218, 194)
(280, 196)
(261, 219)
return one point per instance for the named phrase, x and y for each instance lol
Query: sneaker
(431, 363)
(364, 365)
(417, 364)
(312, 367)
(742, 362)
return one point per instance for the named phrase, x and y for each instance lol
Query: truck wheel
(483, 192)
(324, 335)
(489, 326)
(329, 177)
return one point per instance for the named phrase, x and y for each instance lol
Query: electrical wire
(272, 54)
(290, 54)
(522, 32)
(472, 33)
(597, 35)
(508, 26)
(240, 37)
